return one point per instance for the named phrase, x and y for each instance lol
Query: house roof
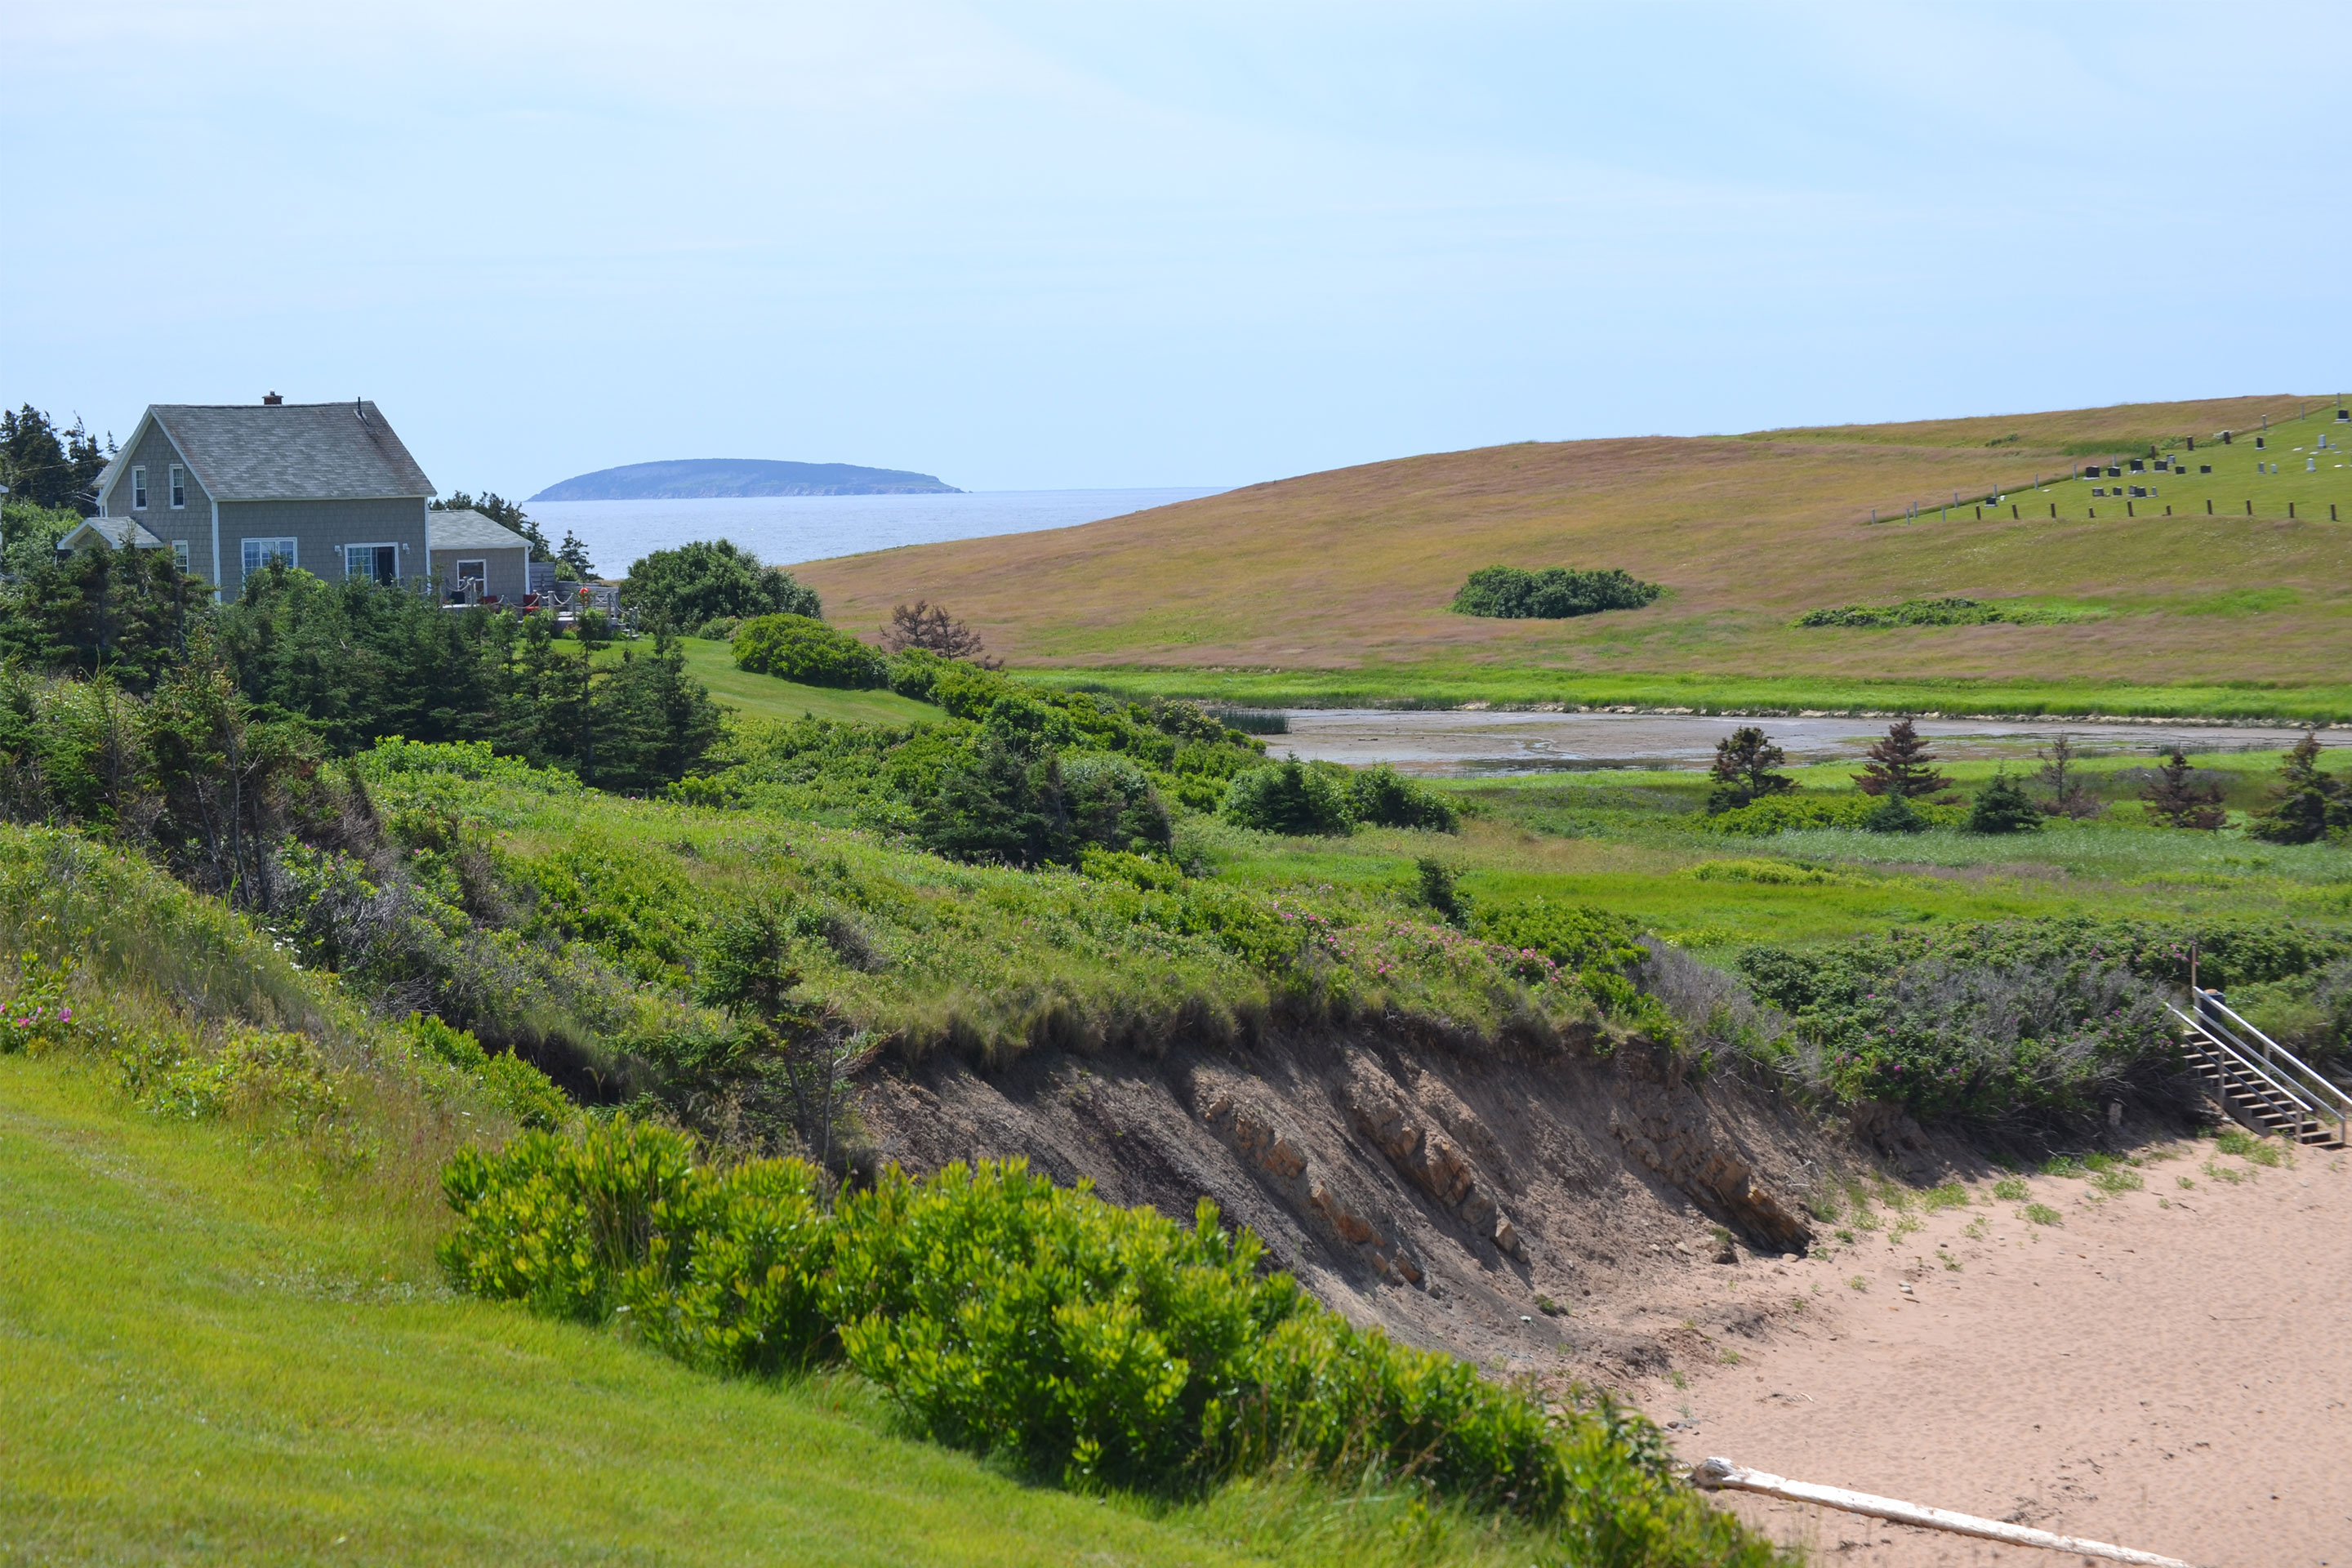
(285, 451)
(114, 531)
(469, 530)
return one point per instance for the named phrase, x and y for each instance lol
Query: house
(228, 488)
(475, 559)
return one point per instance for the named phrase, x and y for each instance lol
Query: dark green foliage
(1554, 592)
(1018, 776)
(50, 468)
(1111, 803)
(1104, 1346)
(2022, 1022)
(360, 663)
(1290, 796)
(802, 648)
(2307, 804)
(1894, 813)
(1382, 797)
(128, 612)
(2176, 798)
(1742, 771)
(997, 803)
(702, 580)
(2003, 806)
(1900, 766)
(1913, 613)
(1438, 890)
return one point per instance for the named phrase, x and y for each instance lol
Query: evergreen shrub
(1382, 797)
(1301, 799)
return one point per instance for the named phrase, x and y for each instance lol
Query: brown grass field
(1352, 570)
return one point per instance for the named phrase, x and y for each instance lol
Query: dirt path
(2169, 1368)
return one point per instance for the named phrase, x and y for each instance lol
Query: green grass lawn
(2233, 480)
(211, 1354)
(766, 697)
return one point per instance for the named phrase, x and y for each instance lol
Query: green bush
(709, 579)
(1293, 797)
(1951, 611)
(800, 649)
(1000, 1313)
(1382, 797)
(1554, 592)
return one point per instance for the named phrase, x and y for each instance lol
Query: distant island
(699, 477)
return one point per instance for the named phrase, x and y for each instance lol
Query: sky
(1048, 245)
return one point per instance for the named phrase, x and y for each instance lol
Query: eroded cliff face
(1531, 1208)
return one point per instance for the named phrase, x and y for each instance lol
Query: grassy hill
(1334, 586)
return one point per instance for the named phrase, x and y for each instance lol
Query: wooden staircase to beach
(2262, 1085)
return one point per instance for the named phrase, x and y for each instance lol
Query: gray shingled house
(227, 488)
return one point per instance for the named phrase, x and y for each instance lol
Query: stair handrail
(2306, 1088)
(2329, 1093)
(2235, 1050)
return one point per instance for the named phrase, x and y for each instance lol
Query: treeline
(338, 666)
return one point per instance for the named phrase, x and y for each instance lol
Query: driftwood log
(1723, 1475)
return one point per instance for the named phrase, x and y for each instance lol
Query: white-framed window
(372, 562)
(138, 487)
(179, 554)
(260, 552)
(179, 488)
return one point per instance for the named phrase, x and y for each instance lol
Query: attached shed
(116, 534)
(476, 560)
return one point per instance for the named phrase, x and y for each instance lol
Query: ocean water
(781, 530)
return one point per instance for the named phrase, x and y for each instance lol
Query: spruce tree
(2003, 806)
(2306, 804)
(1900, 766)
(2175, 799)
(2069, 796)
(1744, 761)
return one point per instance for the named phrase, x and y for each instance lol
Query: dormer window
(138, 487)
(179, 488)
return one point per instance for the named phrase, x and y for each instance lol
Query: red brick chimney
(272, 399)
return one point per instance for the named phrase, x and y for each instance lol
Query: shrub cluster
(1017, 775)
(2013, 1022)
(1556, 592)
(1311, 799)
(1947, 612)
(1106, 1346)
(802, 648)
